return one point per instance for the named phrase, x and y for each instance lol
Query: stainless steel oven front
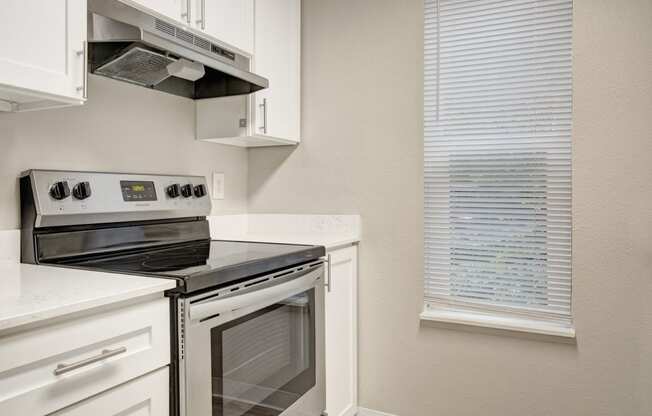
(256, 348)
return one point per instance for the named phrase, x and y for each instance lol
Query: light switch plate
(218, 185)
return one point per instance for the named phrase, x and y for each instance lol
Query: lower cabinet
(46, 369)
(341, 332)
(144, 396)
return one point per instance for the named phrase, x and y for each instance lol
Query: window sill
(506, 323)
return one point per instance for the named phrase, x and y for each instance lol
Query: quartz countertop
(330, 241)
(31, 293)
(330, 231)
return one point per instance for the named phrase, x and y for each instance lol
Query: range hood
(127, 44)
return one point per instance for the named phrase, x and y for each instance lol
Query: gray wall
(362, 98)
(122, 128)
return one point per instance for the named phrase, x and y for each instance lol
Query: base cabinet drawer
(144, 396)
(48, 368)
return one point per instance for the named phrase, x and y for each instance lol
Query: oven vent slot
(209, 317)
(213, 295)
(284, 274)
(257, 282)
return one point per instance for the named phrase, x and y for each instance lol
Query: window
(497, 163)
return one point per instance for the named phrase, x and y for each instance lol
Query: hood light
(185, 69)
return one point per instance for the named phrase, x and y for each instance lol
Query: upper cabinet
(48, 67)
(277, 109)
(230, 21)
(43, 54)
(179, 10)
(270, 117)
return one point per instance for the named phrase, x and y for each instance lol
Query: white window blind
(497, 156)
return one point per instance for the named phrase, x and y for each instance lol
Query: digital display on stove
(138, 191)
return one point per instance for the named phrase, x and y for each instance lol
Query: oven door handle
(264, 296)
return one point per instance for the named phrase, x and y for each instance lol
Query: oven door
(255, 351)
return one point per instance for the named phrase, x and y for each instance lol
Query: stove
(202, 264)
(252, 313)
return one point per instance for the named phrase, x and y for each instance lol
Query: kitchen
(352, 93)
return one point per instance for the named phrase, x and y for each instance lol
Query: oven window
(264, 362)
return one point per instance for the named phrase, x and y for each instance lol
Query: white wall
(122, 128)
(362, 151)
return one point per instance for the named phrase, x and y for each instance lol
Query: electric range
(247, 318)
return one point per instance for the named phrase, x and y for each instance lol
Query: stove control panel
(71, 198)
(138, 191)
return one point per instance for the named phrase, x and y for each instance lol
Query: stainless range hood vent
(165, 27)
(127, 44)
(192, 39)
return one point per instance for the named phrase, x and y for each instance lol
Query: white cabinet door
(270, 117)
(42, 53)
(145, 396)
(179, 10)
(341, 333)
(277, 54)
(229, 21)
(47, 368)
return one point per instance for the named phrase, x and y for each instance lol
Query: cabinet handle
(264, 107)
(203, 15)
(65, 368)
(186, 15)
(84, 54)
(329, 281)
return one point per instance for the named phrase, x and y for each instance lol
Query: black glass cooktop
(205, 264)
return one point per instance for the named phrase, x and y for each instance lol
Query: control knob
(200, 190)
(186, 190)
(82, 190)
(60, 190)
(173, 191)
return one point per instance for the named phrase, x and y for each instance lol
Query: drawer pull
(64, 368)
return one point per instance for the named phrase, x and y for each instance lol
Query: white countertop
(327, 240)
(330, 231)
(31, 293)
